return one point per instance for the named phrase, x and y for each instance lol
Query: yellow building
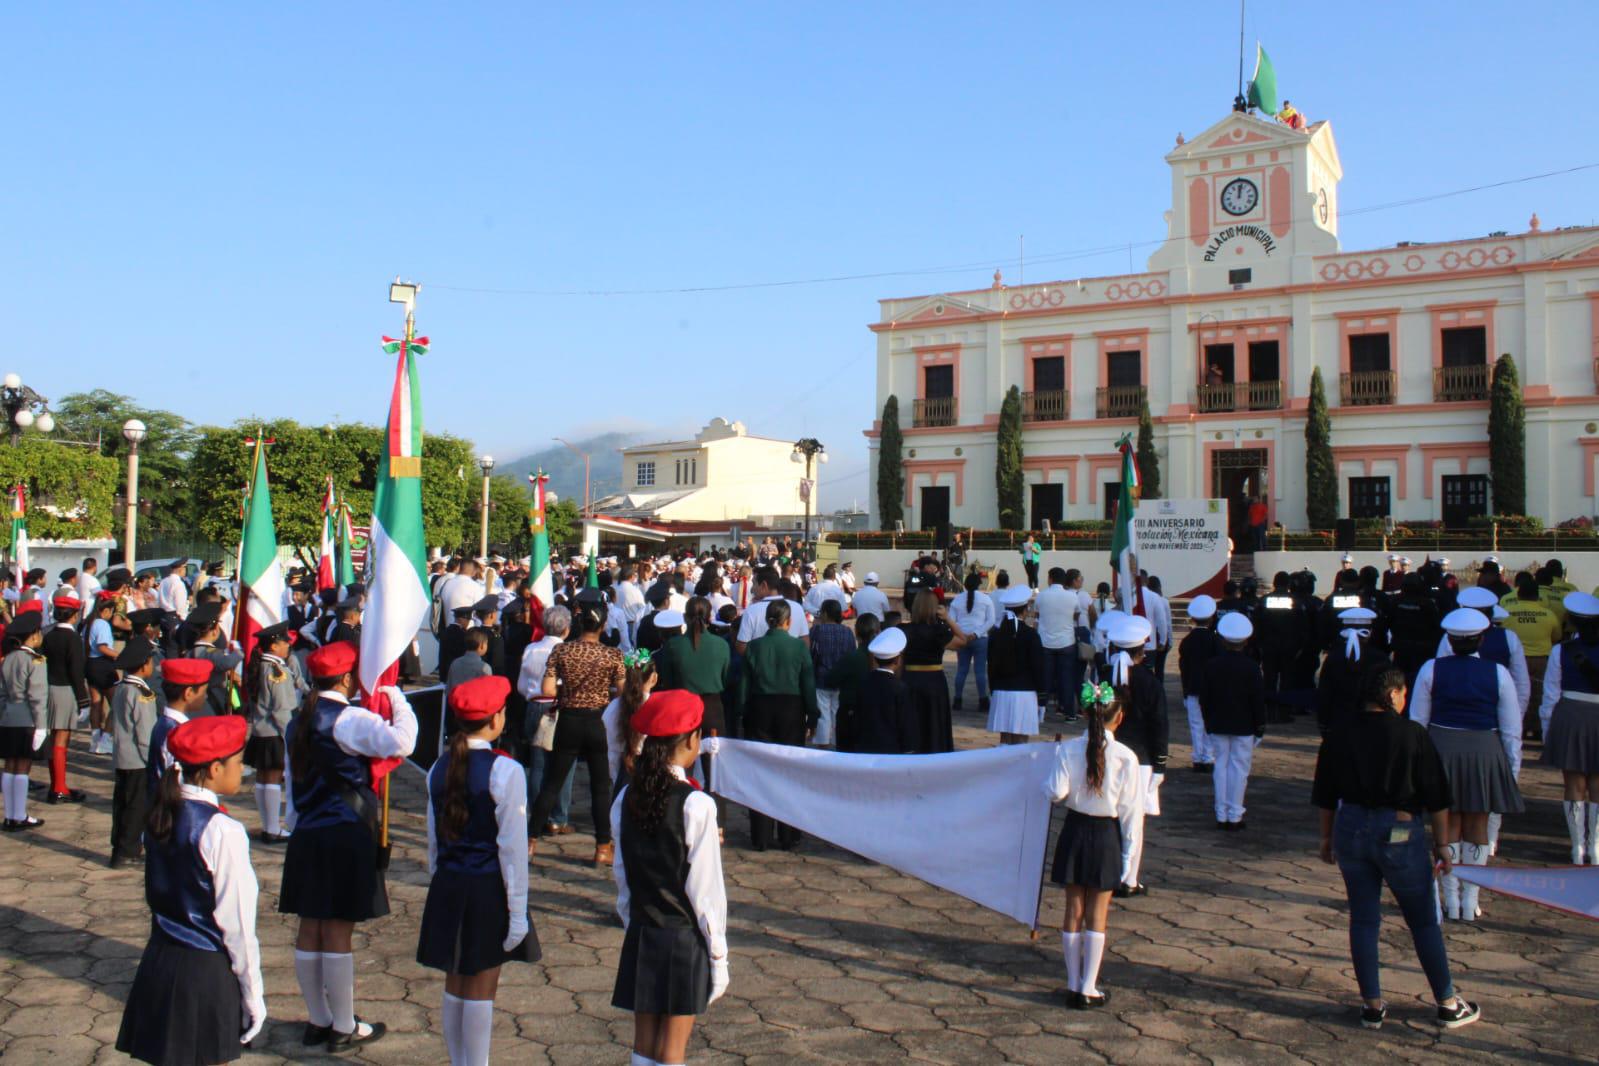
(722, 474)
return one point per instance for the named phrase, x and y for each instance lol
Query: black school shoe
(1373, 1017)
(1082, 1002)
(338, 1041)
(1462, 1013)
(1129, 891)
(71, 795)
(315, 1034)
(17, 825)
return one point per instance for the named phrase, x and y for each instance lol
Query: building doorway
(1048, 505)
(1238, 475)
(934, 511)
(1465, 496)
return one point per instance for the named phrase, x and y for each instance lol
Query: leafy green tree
(1008, 478)
(561, 523)
(890, 467)
(164, 480)
(1148, 460)
(69, 489)
(1507, 439)
(1321, 473)
(508, 503)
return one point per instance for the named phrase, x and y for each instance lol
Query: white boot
(1471, 855)
(1493, 833)
(1591, 829)
(1451, 886)
(1576, 819)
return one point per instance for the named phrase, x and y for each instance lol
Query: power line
(1055, 257)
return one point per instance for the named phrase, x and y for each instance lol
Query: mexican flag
(327, 558)
(1263, 85)
(397, 599)
(1123, 564)
(346, 538)
(19, 531)
(539, 574)
(260, 575)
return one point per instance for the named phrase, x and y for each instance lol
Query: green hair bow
(1092, 693)
(641, 657)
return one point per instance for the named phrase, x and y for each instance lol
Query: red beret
(66, 599)
(480, 698)
(201, 740)
(186, 671)
(31, 605)
(669, 713)
(333, 659)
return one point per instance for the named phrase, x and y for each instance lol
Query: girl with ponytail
(670, 894)
(476, 918)
(198, 994)
(1099, 780)
(621, 742)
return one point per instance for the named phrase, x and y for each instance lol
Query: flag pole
(1239, 100)
(383, 825)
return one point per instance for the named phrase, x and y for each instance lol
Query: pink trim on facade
(1123, 340)
(1357, 323)
(1458, 451)
(933, 468)
(1590, 450)
(1269, 444)
(1103, 461)
(1593, 327)
(938, 355)
(1366, 454)
(1458, 315)
(1045, 463)
(1280, 199)
(1240, 333)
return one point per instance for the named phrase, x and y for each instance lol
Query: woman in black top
(1377, 776)
(928, 635)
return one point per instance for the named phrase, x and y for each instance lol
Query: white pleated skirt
(1013, 712)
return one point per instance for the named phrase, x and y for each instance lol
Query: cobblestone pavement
(1238, 954)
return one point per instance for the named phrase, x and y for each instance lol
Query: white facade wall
(724, 473)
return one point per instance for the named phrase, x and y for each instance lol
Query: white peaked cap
(1465, 622)
(871, 577)
(1234, 627)
(1131, 632)
(1477, 597)
(1500, 614)
(887, 644)
(1202, 607)
(668, 619)
(1581, 604)
(1015, 596)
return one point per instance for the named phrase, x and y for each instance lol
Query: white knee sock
(1451, 884)
(477, 1025)
(338, 977)
(1071, 948)
(1575, 828)
(308, 968)
(642, 1060)
(270, 799)
(1590, 822)
(5, 789)
(1471, 855)
(1093, 955)
(19, 796)
(452, 1028)
(1494, 821)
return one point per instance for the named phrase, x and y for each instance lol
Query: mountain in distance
(566, 470)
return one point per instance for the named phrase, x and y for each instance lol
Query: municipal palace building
(1249, 292)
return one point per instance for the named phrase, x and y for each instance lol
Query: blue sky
(204, 203)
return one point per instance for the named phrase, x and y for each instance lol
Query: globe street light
(19, 402)
(808, 450)
(133, 431)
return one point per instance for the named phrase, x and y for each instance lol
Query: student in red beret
(476, 918)
(197, 996)
(331, 877)
(670, 894)
(184, 683)
(69, 690)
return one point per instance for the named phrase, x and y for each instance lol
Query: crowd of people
(1424, 692)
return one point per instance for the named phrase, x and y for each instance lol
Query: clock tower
(1253, 201)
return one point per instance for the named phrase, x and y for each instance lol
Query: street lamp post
(585, 457)
(808, 450)
(133, 431)
(487, 463)
(18, 402)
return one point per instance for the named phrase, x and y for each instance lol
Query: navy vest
(657, 865)
(317, 800)
(178, 887)
(477, 849)
(1572, 677)
(1495, 646)
(157, 763)
(1465, 692)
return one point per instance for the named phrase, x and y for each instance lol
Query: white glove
(255, 1016)
(38, 738)
(516, 934)
(719, 979)
(1155, 780)
(710, 745)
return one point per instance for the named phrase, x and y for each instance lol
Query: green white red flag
(346, 538)
(327, 558)
(19, 531)
(541, 579)
(260, 574)
(1123, 563)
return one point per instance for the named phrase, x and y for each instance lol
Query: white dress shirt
(165, 754)
(870, 599)
(704, 888)
(530, 681)
(979, 619)
(630, 598)
(1057, 617)
(1158, 611)
(1553, 690)
(88, 585)
(459, 591)
(616, 737)
(508, 788)
(1518, 665)
(173, 595)
(1121, 792)
(361, 732)
(752, 626)
(1509, 710)
(225, 850)
(616, 622)
(826, 590)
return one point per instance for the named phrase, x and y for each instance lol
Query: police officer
(1280, 634)
(1308, 660)
(1413, 627)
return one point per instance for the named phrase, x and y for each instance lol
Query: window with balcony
(645, 475)
(1048, 401)
(936, 407)
(1371, 378)
(1369, 497)
(1122, 395)
(1463, 374)
(1221, 392)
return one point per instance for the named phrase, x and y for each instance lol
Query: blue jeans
(1368, 861)
(1062, 674)
(535, 780)
(974, 652)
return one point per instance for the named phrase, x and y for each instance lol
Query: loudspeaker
(1344, 534)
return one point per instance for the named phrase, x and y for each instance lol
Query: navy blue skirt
(464, 925)
(1088, 853)
(332, 872)
(184, 1008)
(663, 971)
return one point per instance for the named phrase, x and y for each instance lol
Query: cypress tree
(1008, 462)
(1148, 461)
(890, 467)
(1321, 474)
(1507, 439)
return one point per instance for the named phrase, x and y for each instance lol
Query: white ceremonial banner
(1573, 889)
(975, 823)
(1184, 543)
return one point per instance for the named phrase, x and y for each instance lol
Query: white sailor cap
(1464, 622)
(1500, 614)
(1202, 607)
(1014, 596)
(1347, 558)
(1234, 627)
(1108, 620)
(871, 577)
(1404, 560)
(1357, 616)
(1130, 631)
(668, 619)
(1476, 597)
(1491, 559)
(1581, 604)
(1442, 560)
(887, 644)
(1394, 559)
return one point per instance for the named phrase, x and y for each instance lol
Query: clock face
(1239, 196)
(1321, 205)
